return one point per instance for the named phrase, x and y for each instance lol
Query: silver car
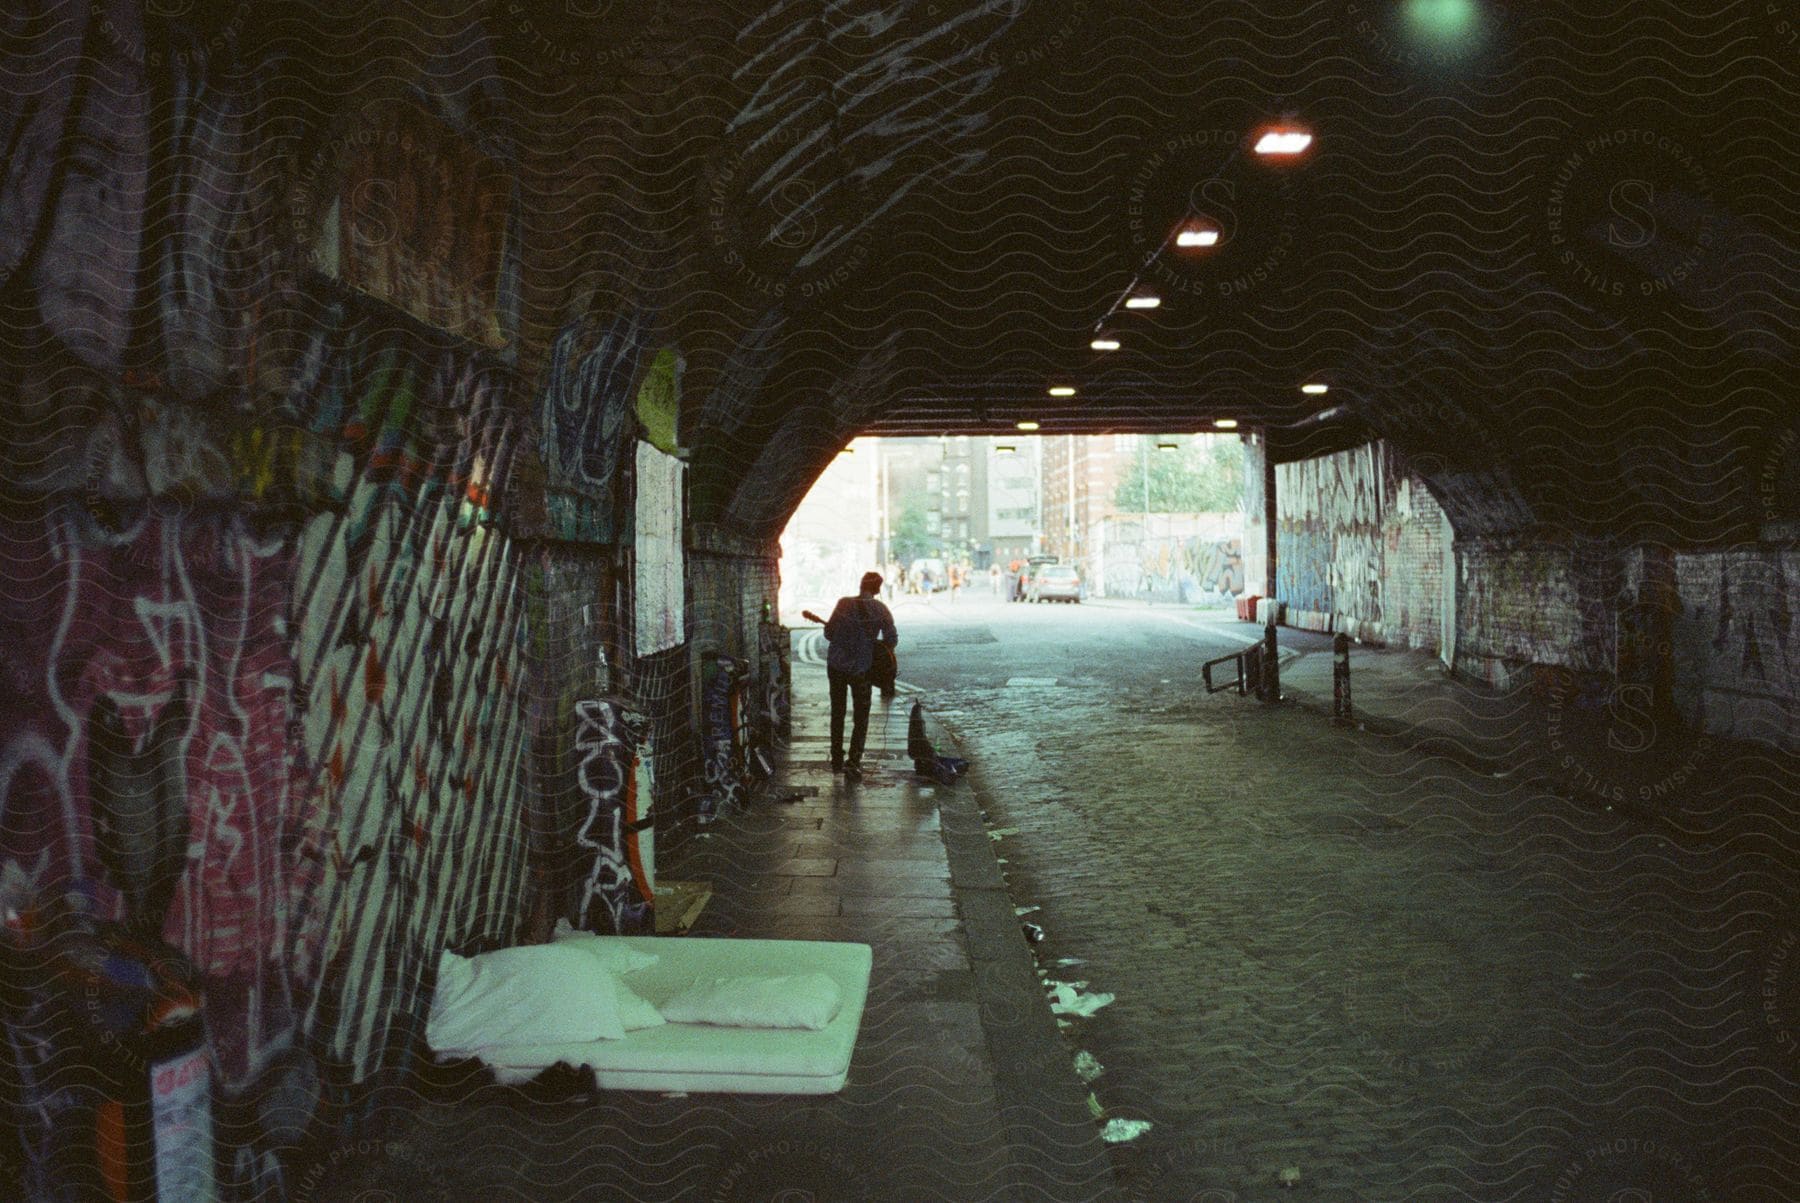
(1055, 582)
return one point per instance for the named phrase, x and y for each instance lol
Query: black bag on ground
(924, 756)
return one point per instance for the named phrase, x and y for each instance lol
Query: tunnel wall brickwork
(304, 575)
(293, 636)
(1535, 601)
(1736, 643)
(1732, 644)
(1360, 548)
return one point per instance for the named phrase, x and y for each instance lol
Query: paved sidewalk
(961, 1087)
(1599, 747)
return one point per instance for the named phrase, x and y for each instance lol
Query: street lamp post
(1144, 478)
(885, 476)
(1038, 526)
(1071, 450)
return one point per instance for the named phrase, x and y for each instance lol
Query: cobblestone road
(1403, 978)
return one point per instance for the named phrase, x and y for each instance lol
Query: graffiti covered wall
(149, 678)
(409, 633)
(1183, 557)
(265, 641)
(1360, 547)
(1737, 643)
(1536, 600)
(266, 699)
(611, 594)
(421, 221)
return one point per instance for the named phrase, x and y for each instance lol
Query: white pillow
(537, 994)
(806, 1000)
(636, 1012)
(613, 952)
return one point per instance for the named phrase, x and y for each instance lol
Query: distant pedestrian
(994, 578)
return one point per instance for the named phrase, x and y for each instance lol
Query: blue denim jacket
(853, 629)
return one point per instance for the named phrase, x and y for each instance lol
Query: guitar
(884, 666)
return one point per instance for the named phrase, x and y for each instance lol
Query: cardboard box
(678, 905)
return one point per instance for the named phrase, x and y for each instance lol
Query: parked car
(1021, 584)
(1056, 582)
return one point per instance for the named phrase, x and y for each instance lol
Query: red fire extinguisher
(120, 1059)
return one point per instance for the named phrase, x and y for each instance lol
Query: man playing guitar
(862, 638)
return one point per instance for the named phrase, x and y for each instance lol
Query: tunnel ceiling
(1547, 251)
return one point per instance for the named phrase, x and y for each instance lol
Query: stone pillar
(1271, 651)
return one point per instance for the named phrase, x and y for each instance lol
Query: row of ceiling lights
(1280, 141)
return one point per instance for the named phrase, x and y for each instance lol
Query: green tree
(1202, 476)
(908, 539)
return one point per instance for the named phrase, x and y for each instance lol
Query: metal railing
(1255, 669)
(1246, 665)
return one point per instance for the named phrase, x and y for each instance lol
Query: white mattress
(702, 1058)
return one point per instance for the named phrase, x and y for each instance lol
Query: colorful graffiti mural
(614, 779)
(291, 747)
(1182, 557)
(409, 636)
(588, 418)
(722, 702)
(150, 726)
(147, 759)
(1360, 547)
(422, 221)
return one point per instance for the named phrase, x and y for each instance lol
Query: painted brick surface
(1735, 644)
(1535, 602)
(1256, 552)
(1360, 548)
(149, 673)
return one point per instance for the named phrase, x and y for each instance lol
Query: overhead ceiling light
(1105, 344)
(1026, 425)
(1168, 446)
(1314, 390)
(1282, 141)
(848, 451)
(1197, 236)
(1225, 423)
(1143, 302)
(1004, 448)
(1062, 390)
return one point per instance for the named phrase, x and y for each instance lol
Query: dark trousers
(859, 690)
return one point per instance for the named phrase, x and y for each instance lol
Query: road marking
(810, 649)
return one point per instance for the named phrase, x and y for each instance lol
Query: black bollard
(1340, 679)
(1271, 668)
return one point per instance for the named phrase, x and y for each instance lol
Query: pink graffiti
(177, 623)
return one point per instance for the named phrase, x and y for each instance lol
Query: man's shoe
(853, 771)
(837, 764)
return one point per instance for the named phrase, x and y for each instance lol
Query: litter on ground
(1066, 999)
(1118, 1131)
